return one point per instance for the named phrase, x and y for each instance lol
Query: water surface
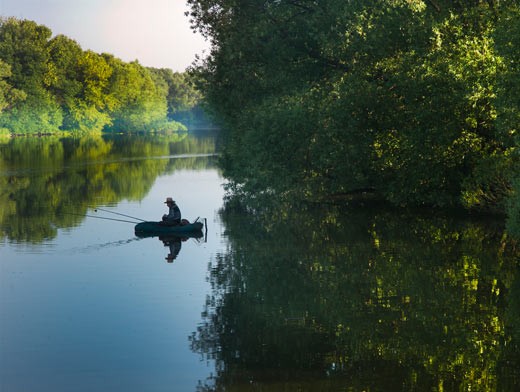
(355, 297)
(86, 305)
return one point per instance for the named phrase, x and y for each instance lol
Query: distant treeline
(414, 101)
(50, 84)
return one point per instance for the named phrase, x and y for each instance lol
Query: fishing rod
(99, 217)
(117, 213)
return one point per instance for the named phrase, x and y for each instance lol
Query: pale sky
(154, 32)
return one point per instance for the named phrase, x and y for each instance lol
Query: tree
(91, 110)
(8, 94)
(182, 94)
(398, 98)
(139, 96)
(67, 84)
(53, 85)
(508, 108)
(23, 45)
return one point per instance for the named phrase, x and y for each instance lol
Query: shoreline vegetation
(50, 85)
(415, 100)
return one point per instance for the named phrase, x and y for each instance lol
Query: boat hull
(159, 228)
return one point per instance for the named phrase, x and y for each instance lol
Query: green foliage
(182, 97)
(513, 209)
(508, 117)
(66, 83)
(79, 85)
(8, 95)
(51, 84)
(180, 90)
(414, 101)
(4, 134)
(138, 101)
(23, 47)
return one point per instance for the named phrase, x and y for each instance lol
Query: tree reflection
(364, 298)
(49, 183)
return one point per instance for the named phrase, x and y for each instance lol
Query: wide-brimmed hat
(169, 200)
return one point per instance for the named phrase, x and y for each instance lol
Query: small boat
(171, 236)
(159, 228)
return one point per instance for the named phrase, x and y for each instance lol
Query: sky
(154, 32)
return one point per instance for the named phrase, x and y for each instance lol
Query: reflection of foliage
(366, 299)
(513, 221)
(49, 183)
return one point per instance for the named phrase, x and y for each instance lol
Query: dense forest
(50, 84)
(412, 101)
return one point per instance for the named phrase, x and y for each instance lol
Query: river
(355, 297)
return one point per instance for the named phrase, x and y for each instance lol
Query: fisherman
(173, 218)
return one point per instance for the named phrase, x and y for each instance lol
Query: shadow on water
(361, 299)
(173, 242)
(50, 183)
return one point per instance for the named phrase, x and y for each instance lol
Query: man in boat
(173, 218)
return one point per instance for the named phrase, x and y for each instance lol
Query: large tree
(8, 94)
(508, 108)
(396, 97)
(79, 85)
(141, 98)
(23, 45)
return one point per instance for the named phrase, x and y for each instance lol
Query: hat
(169, 200)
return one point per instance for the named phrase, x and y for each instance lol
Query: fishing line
(117, 213)
(99, 217)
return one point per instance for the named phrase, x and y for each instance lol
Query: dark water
(297, 298)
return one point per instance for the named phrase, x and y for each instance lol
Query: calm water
(296, 298)
(85, 305)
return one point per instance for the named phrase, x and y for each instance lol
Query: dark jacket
(174, 215)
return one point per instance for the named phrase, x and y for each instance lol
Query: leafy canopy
(410, 100)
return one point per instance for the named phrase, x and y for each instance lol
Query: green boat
(157, 228)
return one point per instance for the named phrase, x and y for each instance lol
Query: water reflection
(362, 299)
(49, 183)
(173, 242)
(85, 305)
